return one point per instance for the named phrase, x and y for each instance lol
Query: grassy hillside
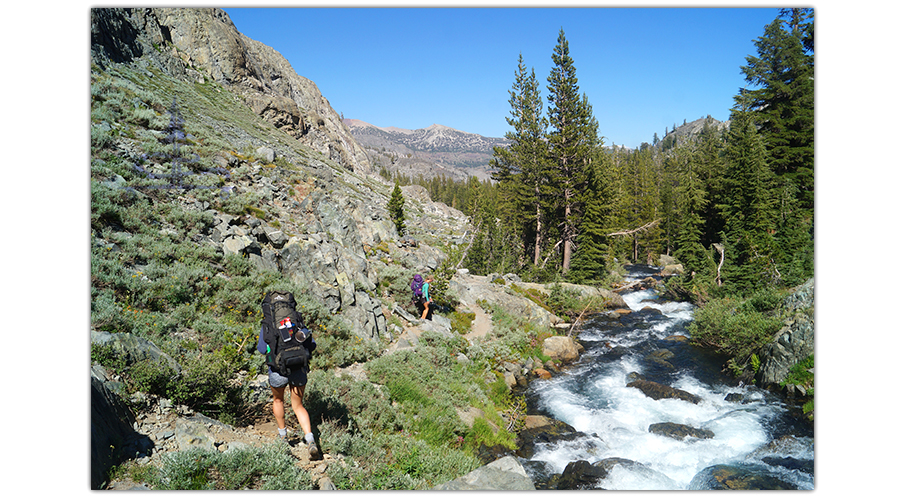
(154, 196)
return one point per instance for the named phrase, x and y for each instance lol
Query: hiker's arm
(261, 344)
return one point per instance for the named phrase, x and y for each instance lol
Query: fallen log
(643, 284)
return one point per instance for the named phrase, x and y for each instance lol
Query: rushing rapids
(740, 432)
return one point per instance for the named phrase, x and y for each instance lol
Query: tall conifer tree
(521, 168)
(748, 209)
(783, 99)
(571, 140)
(589, 260)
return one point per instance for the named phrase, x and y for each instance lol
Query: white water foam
(617, 418)
(621, 417)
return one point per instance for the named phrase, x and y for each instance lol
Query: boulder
(680, 431)
(133, 348)
(659, 391)
(672, 270)
(239, 244)
(111, 429)
(191, 433)
(794, 342)
(275, 236)
(660, 358)
(503, 474)
(545, 431)
(579, 475)
(737, 477)
(267, 153)
(561, 347)
(535, 421)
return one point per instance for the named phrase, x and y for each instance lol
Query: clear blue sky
(642, 69)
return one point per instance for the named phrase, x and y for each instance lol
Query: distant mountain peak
(436, 149)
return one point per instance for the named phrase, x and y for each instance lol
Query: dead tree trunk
(721, 249)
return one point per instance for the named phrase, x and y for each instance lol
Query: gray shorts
(297, 378)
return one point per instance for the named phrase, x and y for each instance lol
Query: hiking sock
(309, 438)
(282, 432)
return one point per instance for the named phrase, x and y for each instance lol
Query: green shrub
(461, 322)
(800, 374)
(482, 434)
(357, 404)
(268, 468)
(735, 327)
(391, 461)
(725, 324)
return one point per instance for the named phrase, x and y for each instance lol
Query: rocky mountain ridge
(431, 151)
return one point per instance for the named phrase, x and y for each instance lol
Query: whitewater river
(754, 430)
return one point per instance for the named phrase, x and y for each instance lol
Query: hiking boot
(313, 450)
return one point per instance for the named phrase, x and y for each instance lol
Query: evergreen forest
(734, 205)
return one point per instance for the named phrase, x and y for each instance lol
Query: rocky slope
(318, 215)
(203, 44)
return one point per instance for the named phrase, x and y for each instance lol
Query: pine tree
(571, 140)
(747, 209)
(395, 209)
(692, 203)
(592, 251)
(521, 168)
(710, 168)
(783, 99)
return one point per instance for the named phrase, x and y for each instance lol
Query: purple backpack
(416, 286)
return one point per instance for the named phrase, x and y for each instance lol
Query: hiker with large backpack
(426, 298)
(288, 346)
(418, 296)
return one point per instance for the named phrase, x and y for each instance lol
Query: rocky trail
(168, 428)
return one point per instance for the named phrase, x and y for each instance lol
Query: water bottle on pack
(286, 328)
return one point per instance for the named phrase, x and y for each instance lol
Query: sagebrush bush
(354, 403)
(268, 468)
(391, 461)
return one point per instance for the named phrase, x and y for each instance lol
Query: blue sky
(642, 69)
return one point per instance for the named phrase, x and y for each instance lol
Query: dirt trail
(482, 324)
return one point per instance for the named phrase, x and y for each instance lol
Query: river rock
(552, 432)
(732, 477)
(579, 475)
(660, 358)
(659, 391)
(535, 421)
(503, 474)
(637, 468)
(680, 431)
(561, 347)
(672, 270)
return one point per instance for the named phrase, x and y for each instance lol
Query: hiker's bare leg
(278, 405)
(425, 312)
(299, 410)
